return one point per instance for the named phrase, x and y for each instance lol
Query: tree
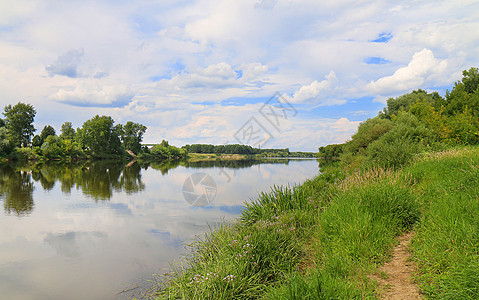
(368, 131)
(132, 135)
(331, 151)
(470, 80)
(68, 132)
(397, 146)
(465, 94)
(53, 147)
(5, 146)
(404, 102)
(164, 143)
(46, 132)
(101, 136)
(37, 141)
(164, 151)
(2, 123)
(19, 123)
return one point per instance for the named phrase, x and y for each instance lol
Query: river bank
(326, 237)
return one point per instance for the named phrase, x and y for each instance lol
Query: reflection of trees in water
(130, 179)
(163, 166)
(46, 177)
(97, 179)
(16, 188)
(233, 164)
(166, 165)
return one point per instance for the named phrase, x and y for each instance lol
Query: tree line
(413, 123)
(98, 137)
(244, 150)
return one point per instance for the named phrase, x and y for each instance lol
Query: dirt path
(399, 271)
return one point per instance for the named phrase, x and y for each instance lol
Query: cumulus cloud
(318, 91)
(214, 76)
(66, 64)
(252, 71)
(217, 76)
(422, 65)
(94, 93)
(221, 70)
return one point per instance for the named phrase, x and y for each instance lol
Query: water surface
(89, 231)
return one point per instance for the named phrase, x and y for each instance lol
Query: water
(92, 231)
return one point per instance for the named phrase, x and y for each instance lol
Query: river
(91, 231)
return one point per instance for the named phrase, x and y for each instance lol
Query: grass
(211, 156)
(201, 157)
(446, 245)
(323, 239)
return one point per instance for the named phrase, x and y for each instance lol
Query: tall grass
(356, 232)
(322, 239)
(238, 261)
(446, 246)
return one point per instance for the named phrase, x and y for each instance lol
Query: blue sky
(197, 71)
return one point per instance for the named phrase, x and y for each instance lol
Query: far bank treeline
(100, 138)
(411, 124)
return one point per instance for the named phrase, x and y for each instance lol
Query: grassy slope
(322, 239)
(446, 246)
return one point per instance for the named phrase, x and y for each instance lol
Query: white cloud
(422, 65)
(221, 70)
(93, 92)
(252, 71)
(217, 76)
(220, 21)
(319, 92)
(13, 11)
(152, 61)
(66, 64)
(323, 131)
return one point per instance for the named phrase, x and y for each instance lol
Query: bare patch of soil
(396, 280)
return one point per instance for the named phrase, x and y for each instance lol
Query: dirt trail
(399, 271)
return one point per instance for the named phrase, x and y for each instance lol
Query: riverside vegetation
(413, 167)
(99, 138)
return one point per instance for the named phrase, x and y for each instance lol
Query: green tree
(164, 143)
(101, 136)
(368, 131)
(470, 80)
(37, 141)
(331, 151)
(19, 123)
(5, 146)
(2, 123)
(404, 102)
(165, 151)
(397, 146)
(68, 132)
(465, 94)
(465, 128)
(132, 135)
(46, 132)
(53, 147)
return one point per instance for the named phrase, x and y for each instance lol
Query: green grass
(446, 245)
(323, 239)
